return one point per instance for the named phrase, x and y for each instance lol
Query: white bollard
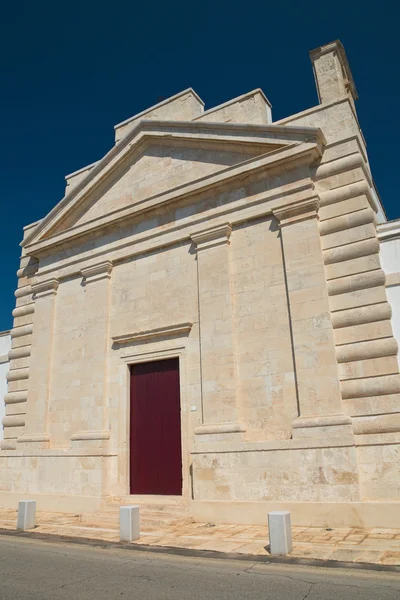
(280, 532)
(129, 523)
(26, 514)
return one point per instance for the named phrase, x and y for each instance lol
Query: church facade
(206, 317)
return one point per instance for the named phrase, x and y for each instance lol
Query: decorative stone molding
(339, 165)
(359, 281)
(8, 445)
(386, 231)
(215, 236)
(349, 251)
(342, 222)
(349, 191)
(21, 330)
(16, 397)
(392, 279)
(299, 211)
(17, 374)
(372, 386)
(321, 421)
(22, 311)
(45, 288)
(32, 438)
(296, 145)
(389, 423)
(23, 291)
(14, 421)
(220, 428)
(367, 350)
(169, 331)
(321, 426)
(361, 314)
(27, 271)
(90, 435)
(3, 359)
(97, 272)
(22, 352)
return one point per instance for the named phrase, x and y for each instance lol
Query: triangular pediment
(160, 167)
(160, 158)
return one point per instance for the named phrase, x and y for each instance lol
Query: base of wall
(304, 514)
(55, 502)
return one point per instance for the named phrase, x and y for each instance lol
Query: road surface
(38, 570)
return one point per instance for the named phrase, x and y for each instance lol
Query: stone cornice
(97, 272)
(215, 236)
(389, 230)
(258, 205)
(45, 288)
(146, 131)
(169, 331)
(392, 279)
(26, 438)
(80, 436)
(299, 211)
(292, 156)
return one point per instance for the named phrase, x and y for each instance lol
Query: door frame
(142, 355)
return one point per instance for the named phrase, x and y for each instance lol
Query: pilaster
(36, 430)
(217, 343)
(317, 380)
(89, 426)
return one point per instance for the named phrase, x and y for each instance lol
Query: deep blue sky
(71, 70)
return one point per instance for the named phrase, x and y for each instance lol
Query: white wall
(389, 235)
(5, 345)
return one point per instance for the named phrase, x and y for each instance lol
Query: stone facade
(250, 250)
(5, 345)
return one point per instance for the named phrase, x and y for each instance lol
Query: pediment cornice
(291, 143)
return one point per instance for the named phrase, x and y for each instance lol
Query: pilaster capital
(215, 236)
(48, 287)
(299, 211)
(97, 272)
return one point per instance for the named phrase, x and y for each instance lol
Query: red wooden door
(155, 427)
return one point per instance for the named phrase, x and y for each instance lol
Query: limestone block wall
(253, 107)
(365, 347)
(266, 379)
(71, 372)
(272, 286)
(19, 355)
(361, 314)
(60, 482)
(5, 346)
(277, 471)
(184, 106)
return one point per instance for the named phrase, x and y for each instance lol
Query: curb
(190, 552)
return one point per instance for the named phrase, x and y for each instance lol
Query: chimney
(332, 74)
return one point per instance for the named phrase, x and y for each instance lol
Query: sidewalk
(376, 546)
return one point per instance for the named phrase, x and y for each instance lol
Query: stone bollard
(280, 532)
(26, 514)
(129, 524)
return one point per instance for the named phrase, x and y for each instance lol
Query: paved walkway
(378, 546)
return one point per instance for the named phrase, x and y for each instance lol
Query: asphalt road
(35, 569)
